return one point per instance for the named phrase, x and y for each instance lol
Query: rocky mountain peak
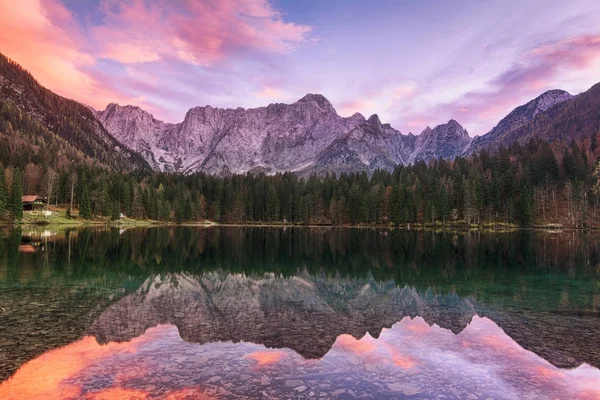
(453, 129)
(516, 119)
(319, 100)
(547, 100)
(374, 120)
(444, 141)
(114, 110)
(554, 95)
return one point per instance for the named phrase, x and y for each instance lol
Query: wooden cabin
(33, 202)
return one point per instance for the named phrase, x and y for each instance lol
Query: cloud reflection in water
(411, 358)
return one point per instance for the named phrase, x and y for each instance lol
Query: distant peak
(113, 106)
(455, 125)
(374, 120)
(128, 111)
(548, 100)
(554, 92)
(319, 98)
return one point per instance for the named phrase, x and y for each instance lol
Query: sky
(414, 63)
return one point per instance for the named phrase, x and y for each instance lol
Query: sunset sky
(415, 63)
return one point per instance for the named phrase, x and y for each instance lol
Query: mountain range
(304, 137)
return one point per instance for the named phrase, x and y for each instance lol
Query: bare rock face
(368, 147)
(138, 130)
(445, 141)
(279, 137)
(307, 137)
(505, 132)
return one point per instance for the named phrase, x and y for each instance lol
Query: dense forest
(532, 184)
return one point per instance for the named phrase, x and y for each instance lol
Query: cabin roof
(31, 198)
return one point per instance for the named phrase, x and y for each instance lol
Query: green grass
(54, 219)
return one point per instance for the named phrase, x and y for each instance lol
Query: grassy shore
(59, 219)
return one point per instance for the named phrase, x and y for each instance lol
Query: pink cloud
(382, 98)
(353, 106)
(199, 32)
(536, 72)
(270, 93)
(44, 38)
(160, 55)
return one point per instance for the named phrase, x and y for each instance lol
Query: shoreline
(499, 227)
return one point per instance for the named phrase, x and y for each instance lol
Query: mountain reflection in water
(411, 359)
(193, 313)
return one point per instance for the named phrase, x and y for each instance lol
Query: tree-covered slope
(37, 125)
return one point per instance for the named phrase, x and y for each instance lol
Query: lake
(312, 313)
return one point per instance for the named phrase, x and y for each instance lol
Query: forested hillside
(576, 118)
(535, 184)
(39, 126)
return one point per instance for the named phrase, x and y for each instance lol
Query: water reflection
(411, 359)
(163, 313)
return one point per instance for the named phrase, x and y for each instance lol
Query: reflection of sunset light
(399, 359)
(148, 366)
(188, 394)
(348, 342)
(44, 376)
(117, 394)
(498, 343)
(266, 357)
(548, 373)
(403, 361)
(417, 325)
(27, 248)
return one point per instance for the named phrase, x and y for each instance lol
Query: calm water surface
(275, 313)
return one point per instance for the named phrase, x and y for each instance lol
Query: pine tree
(115, 213)
(594, 143)
(333, 211)
(178, 210)
(16, 194)
(202, 207)
(3, 193)
(85, 206)
(524, 207)
(272, 204)
(398, 206)
(187, 209)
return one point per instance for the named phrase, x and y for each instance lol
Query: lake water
(276, 313)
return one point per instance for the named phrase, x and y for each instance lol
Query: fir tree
(115, 212)
(85, 206)
(3, 194)
(16, 194)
